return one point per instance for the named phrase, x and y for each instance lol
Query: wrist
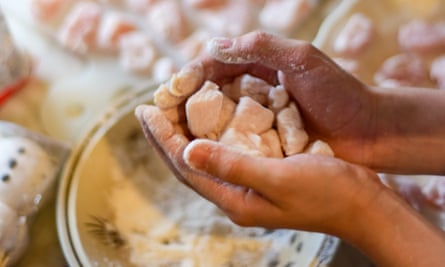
(391, 233)
(408, 128)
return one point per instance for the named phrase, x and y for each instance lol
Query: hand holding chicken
(306, 191)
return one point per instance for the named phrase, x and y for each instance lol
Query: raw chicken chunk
(112, 27)
(247, 143)
(355, 36)
(208, 111)
(248, 85)
(434, 192)
(320, 148)
(163, 69)
(164, 99)
(290, 129)
(437, 71)
(184, 83)
(285, 15)
(205, 4)
(422, 37)
(137, 53)
(231, 19)
(48, 10)
(251, 117)
(168, 21)
(402, 70)
(25, 174)
(265, 145)
(194, 45)
(139, 6)
(272, 143)
(278, 98)
(79, 29)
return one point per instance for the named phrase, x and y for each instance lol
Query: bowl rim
(117, 110)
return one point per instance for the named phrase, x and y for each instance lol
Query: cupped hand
(335, 106)
(308, 192)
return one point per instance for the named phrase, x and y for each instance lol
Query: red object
(8, 91)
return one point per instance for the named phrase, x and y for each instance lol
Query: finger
(161, 134)
(208, 68)
(274, 52)
(231, 166)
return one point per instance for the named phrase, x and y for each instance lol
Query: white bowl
(115, 147)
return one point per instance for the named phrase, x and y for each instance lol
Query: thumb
(229, 164)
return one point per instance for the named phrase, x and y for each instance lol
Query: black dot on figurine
(273, 263)
(299, 247)
(22, 150)
(12, 163)
(6, 178)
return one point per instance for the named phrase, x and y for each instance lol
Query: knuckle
(259, 38)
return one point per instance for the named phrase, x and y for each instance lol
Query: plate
(119, 205)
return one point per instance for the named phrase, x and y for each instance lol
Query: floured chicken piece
(139, 6)
(184, 83)
(320, 148)
(247, 114)
(112, 27)
(402, 70)
(194, 45)
(434, 192)
(208, 111)
(355, 35)
(290, 128)
(437, 71)
(230, 19)
(48, 10)
(265, 145)
(79, 29)
(164, 99)
(278, 98)
(137, 53)
(168, 21)
(205, 4)
(251, 117)
(285, 15)
(248, 85)
(247, 143)
(423, 37)
(163, 69)
(272, 144)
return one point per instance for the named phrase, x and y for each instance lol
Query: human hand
(335, 106)
(251, 54)
(304, 191)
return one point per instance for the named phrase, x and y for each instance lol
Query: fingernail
(195, 155)
(217, 45)
(222, 43)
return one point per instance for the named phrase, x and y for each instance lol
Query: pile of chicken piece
(419, 60)
(247, 114)
(153, 37)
